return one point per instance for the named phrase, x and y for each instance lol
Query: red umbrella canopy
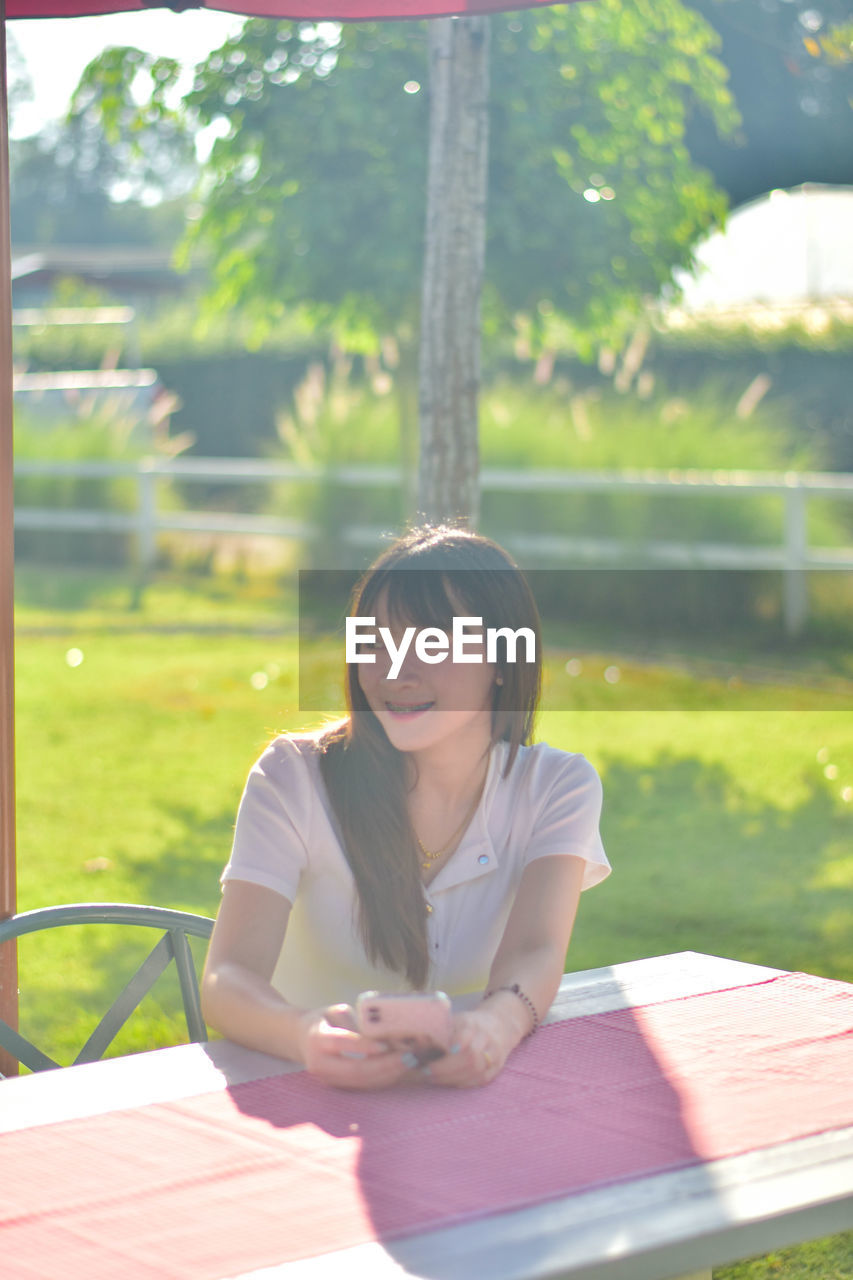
(328, 10)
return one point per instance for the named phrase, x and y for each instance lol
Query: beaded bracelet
(524, 997)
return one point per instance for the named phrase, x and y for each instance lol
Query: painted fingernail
(455, 1048)
(409, 1060)
(352, 1053)
(432, 1054)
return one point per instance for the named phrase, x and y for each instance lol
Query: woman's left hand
(480, 1047)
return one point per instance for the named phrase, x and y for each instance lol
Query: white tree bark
(453, 270)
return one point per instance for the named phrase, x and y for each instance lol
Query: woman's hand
(333, 1051)
(482, 1042)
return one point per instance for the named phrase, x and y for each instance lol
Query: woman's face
(426, 703)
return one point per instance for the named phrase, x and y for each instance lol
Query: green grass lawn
(729, 829)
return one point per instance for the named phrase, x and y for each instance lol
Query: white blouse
(285, 840)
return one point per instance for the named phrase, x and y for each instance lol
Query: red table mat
(283, 1168)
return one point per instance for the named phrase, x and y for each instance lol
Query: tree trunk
(453, 270)
(406, 387)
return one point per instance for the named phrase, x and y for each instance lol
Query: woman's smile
(407, 710)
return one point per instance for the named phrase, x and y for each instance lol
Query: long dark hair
(429, 575)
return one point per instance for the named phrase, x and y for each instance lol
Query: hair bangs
(413, 597)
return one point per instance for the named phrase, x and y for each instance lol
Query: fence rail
(792, 556)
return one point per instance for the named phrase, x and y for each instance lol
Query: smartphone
(420, 1022)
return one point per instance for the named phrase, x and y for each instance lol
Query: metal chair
(172, 945)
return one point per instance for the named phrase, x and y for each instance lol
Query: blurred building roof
(120, 269)
(787, 251)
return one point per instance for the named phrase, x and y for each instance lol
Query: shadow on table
(584, 1104)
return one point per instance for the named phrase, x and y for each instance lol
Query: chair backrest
(174, 928)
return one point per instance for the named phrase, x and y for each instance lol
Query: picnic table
(671, 1114)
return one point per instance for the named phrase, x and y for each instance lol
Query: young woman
(422, 843)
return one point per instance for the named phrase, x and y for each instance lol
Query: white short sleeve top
(285, 840)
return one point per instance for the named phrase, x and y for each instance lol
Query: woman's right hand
(332, 1050)
(239, 1001)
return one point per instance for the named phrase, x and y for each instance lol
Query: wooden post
(8, 891)
(146, 535)
(454, 258)
(795, 597)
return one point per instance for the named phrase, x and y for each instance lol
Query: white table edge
(648, 1229)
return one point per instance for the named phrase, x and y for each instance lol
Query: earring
(499, 680)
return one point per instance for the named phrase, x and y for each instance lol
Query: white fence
(792, 556)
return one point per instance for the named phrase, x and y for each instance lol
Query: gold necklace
(429, 857)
